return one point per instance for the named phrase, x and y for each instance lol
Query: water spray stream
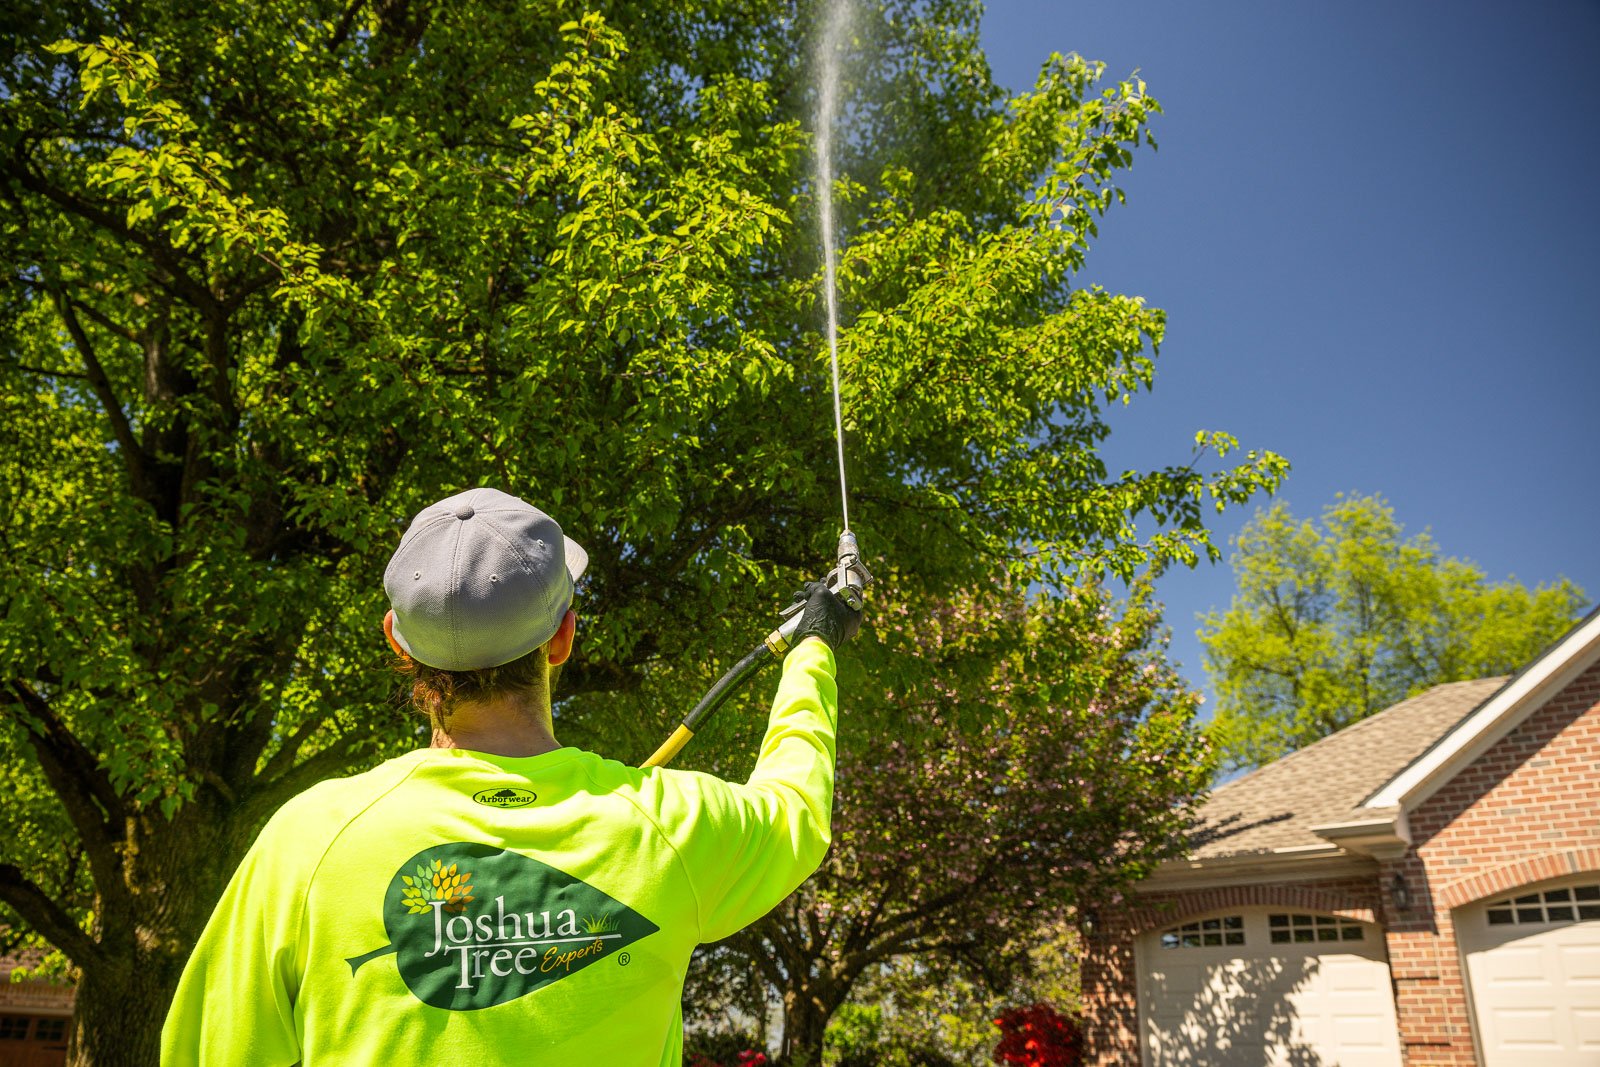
(828, 49)
(849, 578)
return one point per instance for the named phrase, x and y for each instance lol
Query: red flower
(1038, 1036)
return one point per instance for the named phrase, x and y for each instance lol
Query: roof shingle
(1274, 807)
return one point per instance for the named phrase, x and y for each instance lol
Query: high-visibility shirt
(459, 907)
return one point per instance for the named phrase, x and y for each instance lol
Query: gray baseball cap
(480, 579)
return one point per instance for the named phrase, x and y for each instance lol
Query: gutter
(1293, 863)
(1385, 835)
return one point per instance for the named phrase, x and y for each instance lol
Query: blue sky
(1375, 228)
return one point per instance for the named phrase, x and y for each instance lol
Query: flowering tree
(1030, 756)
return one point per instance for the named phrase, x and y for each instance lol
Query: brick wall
(1522, 812)
(34, 996)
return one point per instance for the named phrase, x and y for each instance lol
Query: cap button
(464, 511)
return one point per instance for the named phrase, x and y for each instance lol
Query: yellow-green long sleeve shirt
(458, 907)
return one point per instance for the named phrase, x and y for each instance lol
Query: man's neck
(504, 727)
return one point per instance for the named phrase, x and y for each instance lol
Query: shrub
(1038, 1036)
(722, 1048)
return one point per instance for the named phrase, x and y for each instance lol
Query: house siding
(36, 1012)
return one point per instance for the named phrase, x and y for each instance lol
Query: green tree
(1335, 621)
(1047, 755)
(282, 273)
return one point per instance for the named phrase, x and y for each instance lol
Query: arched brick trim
(1182, 905)
(1532, 869)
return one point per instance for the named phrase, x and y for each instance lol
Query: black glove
(826, 616)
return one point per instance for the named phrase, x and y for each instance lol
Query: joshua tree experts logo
(473, 925)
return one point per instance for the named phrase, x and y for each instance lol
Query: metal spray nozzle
(850, 578)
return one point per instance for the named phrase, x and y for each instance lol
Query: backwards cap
(480, 579)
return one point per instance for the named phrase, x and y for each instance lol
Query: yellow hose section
(670, 747)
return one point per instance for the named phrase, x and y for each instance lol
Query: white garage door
(1264, 987)
(1533, 962)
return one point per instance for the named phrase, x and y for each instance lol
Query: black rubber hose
(728, 684)
(715, 697)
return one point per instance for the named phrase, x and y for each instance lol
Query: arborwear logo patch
(472, 925)
(510, 797)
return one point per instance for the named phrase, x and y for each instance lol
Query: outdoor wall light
(1400, 893)
(1089, 919)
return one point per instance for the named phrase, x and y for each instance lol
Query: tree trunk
(806, 1012)
(174, 873)
(120, 1008)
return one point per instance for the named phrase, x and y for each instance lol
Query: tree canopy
(1336, 620)
(283, 273)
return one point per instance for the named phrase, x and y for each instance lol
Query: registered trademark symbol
(624, 959)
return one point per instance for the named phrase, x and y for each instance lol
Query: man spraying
(497, 896)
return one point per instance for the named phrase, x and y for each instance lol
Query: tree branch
(48, 919)
(283, 759)
(749, 945)
(121, 428)
(49, 373)
(346, 22)
(269, 794)
(162, 254)
(91, 801)
(107, 323)
(929, 908)
(773, 930)
(862, 928)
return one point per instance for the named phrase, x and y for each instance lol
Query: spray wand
(848, 581)
(849, 578)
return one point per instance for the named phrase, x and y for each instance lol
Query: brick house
(1421, 888)
(35, 1016)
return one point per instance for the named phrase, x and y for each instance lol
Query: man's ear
(388, 631)
(561, 644)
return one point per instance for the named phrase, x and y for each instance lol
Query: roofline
(1268, 865)
(1569, 656)
(1383, 835)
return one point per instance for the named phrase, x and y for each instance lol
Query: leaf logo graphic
(472, 926)
(436, 883)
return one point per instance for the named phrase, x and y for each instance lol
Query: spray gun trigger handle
(836, 586)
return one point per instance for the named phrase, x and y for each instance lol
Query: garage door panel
(1586, 1029)
(1580, 964)
(1347, 976)
(1534, 976)
(1348, 1057)
(1166, 982)
(1316, 995)
(1527, 1029)
(1516, 966)
(1369, 1030)
(1188, 1042)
